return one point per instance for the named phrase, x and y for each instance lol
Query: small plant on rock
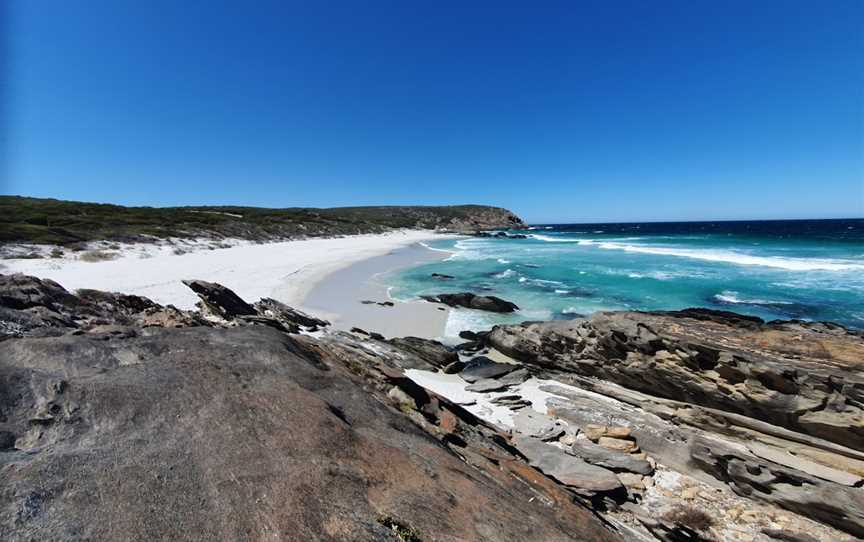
(690, 517)
(403, 532)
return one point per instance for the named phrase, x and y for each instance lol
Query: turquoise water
(810, 270)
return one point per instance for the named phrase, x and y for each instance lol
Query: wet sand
(339, 296)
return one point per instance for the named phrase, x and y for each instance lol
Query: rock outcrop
(124, 419)
(793, 374)
(111, 429)
(774, 411)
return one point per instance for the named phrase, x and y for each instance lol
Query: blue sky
(561, 111)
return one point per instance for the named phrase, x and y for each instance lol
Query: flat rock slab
(610, 459)
(482, 367)
(565, 468)
(486, 385)
(516, 377)
(618, 444)
(531, 423)
(810, 467)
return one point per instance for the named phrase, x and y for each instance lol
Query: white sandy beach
(286, 271)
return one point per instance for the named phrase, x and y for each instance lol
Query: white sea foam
(505, 274)
(739, 258)
(466, 319)
(421, 243)
(571, 310)
(562, 291)
(715, 255)
(732, 297)
(543, 282)
(502, 260)
(550, 239)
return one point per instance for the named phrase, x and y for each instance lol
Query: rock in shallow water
(468, 300)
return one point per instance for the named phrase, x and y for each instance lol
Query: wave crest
(730, 297)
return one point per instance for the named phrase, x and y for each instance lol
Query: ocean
(789, 269)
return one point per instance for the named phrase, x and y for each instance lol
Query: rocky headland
(124, 419)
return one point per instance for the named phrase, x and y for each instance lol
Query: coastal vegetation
(52, 221)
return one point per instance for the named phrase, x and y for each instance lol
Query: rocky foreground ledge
(124, 419)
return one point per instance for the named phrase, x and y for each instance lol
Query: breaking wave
(739, 258)
(732, 298)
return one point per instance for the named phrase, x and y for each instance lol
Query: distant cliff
(34, 220)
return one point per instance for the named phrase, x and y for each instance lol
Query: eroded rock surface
(772, 411)
(797, 375)
(238, 430)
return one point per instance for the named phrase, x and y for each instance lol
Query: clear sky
(561, 111)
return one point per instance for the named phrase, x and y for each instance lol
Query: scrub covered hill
(51, 221)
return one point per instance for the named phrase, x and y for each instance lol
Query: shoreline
(358, 296)
(287, 271)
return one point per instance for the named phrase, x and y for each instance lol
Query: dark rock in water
(610, 459)
(500, 235)
(473, 301)
(432, 352)
(220, 300)
(482, 367)
(442, 276)
(565, 468)
(470, 346)
(569, 316)
(469, 335)
(454, 367)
